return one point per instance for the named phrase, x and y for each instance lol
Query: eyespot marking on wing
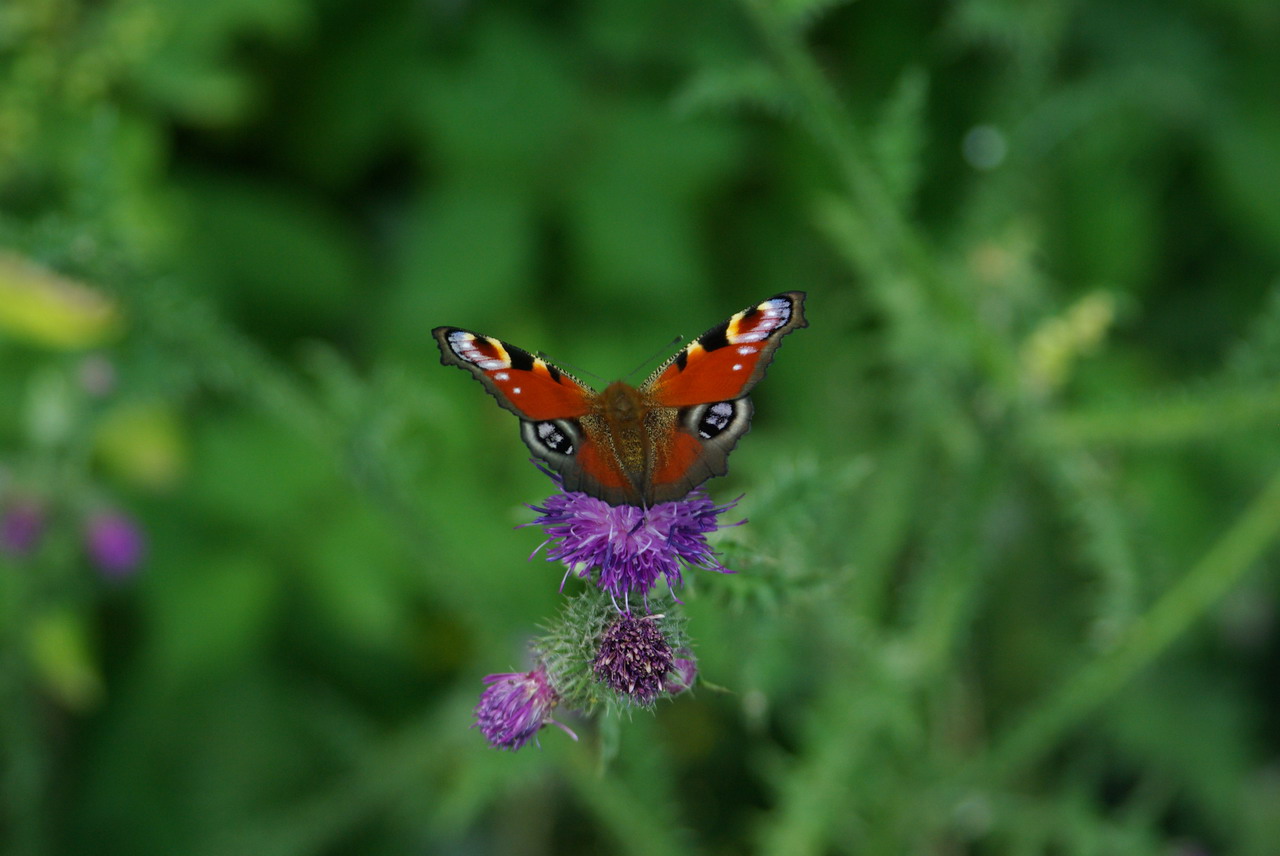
(715, 419)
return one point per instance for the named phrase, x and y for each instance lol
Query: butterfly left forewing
(528, 386)
(559, 416)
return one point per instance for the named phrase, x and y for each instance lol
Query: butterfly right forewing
(705, 387)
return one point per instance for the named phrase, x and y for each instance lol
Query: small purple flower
(684, 671)
(634, 657)
(514, 707)
(631, 546)
(97, 375)
(21, 524)
(115, 543)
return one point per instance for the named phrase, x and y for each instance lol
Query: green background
(1008, 584)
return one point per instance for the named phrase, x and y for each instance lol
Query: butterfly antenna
(677, 340)
(579, 372)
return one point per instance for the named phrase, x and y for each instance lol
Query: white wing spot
(773, 314)
(501, 376)
(463, 344)
(777, 309)
(747, 350)
(737, 367)
(515, 390)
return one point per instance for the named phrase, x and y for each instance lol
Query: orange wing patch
(527, 385)
(728, 360)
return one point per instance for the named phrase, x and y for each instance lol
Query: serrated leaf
(752, 85)
(806, 13)
(899, 136)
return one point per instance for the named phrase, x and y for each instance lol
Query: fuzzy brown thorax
(623, 409)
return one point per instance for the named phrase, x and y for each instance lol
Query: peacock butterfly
(635, 445)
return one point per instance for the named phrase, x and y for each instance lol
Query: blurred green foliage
(1009, 582)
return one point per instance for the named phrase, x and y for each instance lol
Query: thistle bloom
(21, 525)
(634, 657)
(114, 542)
(684, 671)
(631, 546)
(514, 707)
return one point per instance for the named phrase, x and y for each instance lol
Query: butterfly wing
(700, 394)
(674, 434)
(725, 362)
(528, 386)
(552, 406)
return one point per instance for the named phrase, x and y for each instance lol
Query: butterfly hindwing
(699, 448)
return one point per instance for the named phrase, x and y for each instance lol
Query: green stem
(1171, 421)
(23, 762)
(896, 254)
(836, 132)
(421, 751)
(1188, 601)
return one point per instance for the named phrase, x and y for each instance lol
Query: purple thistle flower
(114, 542)
(21, 525)
(631, 546)
(634, 657)
(684, 671)
(514, 707)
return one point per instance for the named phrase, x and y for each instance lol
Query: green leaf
(65, 658)
(752, 86)
(899, 137)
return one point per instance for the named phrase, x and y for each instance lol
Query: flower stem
(1172, 420)
(24, 763)
(1183, 604)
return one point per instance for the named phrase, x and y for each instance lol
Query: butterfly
(635, 445)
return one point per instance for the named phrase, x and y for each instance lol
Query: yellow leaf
(60, 651)
(143, 443)
(48, 309)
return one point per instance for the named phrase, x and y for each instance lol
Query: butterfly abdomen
(622, 418)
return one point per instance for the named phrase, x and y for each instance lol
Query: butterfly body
(635, 445)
